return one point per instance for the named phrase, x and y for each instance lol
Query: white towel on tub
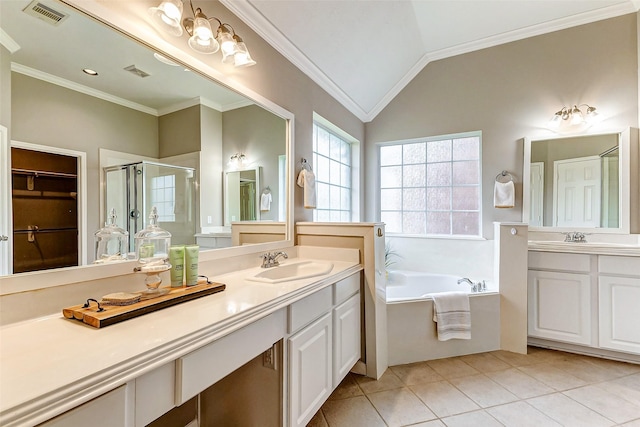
(452, 314)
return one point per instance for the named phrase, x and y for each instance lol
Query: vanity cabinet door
(310, 370)
(560, 306)
(619, 313)
(346, 338)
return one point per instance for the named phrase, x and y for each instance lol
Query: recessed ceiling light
(90, 71)
(164, 60)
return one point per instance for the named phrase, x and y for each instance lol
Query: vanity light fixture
(573, 116)
(168, 15)
(237, 160)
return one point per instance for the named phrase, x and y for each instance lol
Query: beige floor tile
(434, 423)
(452, 367)
(483, 391)
(627, 388)
(318, 420)
(585, 370)
(485, 362)
(387, 381)
(475, 419)
(352, 412)
(516, 359)
(634, 423)
(347, 388)
(519, 383)
(416, 373)
(611, 406)
(444, 399)
(400, 407)
(553, 377)
(567, 412)
(521, 414)
(620, 368)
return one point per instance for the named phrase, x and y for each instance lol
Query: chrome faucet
(271, 259)
(575, 237)
(475, 287)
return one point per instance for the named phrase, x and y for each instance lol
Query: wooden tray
(114, 314)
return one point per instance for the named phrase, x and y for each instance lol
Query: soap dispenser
(111, 241)
(152, 251)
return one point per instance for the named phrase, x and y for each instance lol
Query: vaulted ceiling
(364, 52)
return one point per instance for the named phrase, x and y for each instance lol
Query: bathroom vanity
(584, 298)
(306, 332)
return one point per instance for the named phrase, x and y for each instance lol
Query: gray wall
(5, 89)
(509, 92)
(179, 132)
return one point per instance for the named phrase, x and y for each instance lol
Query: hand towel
(452, 314)
(265, 202)
(307, 180)
(504, 195)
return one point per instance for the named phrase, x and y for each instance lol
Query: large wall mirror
(579, 183)
(141, 106)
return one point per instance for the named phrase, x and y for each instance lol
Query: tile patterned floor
(542, 388)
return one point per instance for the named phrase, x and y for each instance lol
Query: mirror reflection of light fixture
(573, 115)
(237, 161)
(168, 15)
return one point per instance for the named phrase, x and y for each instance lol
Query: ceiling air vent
(44, 12)
(138, 72)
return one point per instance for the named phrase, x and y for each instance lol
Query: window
(332, 160)
(432, 186)
(163, 196)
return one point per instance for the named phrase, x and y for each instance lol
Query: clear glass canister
(112, 242)
(152, 243)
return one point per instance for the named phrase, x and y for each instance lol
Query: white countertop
(50, 359)
(585, 248)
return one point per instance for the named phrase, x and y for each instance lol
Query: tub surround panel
(412, 335)
(41, 377)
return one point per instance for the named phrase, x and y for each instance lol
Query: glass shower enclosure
(134, 189)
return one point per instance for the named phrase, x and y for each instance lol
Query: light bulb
(576, 116)
(202, 39)
(242, 57)
(168, 15)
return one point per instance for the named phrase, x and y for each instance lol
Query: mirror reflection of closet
(242, 193)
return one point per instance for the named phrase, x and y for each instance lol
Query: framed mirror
(142, 105)
(579, 183)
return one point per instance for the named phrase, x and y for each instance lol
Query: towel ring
(504, 177)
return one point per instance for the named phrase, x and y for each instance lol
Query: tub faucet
(271, 259)
(474, 286)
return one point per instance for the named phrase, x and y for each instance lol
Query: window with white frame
(163, 197)
(431, 186)
(332, 160)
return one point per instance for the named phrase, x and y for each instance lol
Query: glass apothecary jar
(112, 242)
(152, 242)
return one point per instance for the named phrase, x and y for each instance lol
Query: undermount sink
(295, 271)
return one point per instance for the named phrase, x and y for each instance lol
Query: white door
(577, 188)
(346, 338)
(6, 256)
(536, 207)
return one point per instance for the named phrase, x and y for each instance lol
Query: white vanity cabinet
(107, 410)
(559, 297)
(619, 302)
(322, 353)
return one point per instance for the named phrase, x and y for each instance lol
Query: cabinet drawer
(155, 393)
(308, 309)
(579, 263)
(345, 288)
(107, 410)
(619, 265)
(201, 368)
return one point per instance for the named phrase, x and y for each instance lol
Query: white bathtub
(411, 332)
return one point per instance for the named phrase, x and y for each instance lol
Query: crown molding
(59, 81)
(265, 29)
(8, 42)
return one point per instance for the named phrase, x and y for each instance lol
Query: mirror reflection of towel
(265, 202)
(307, 180)
(504, 195)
